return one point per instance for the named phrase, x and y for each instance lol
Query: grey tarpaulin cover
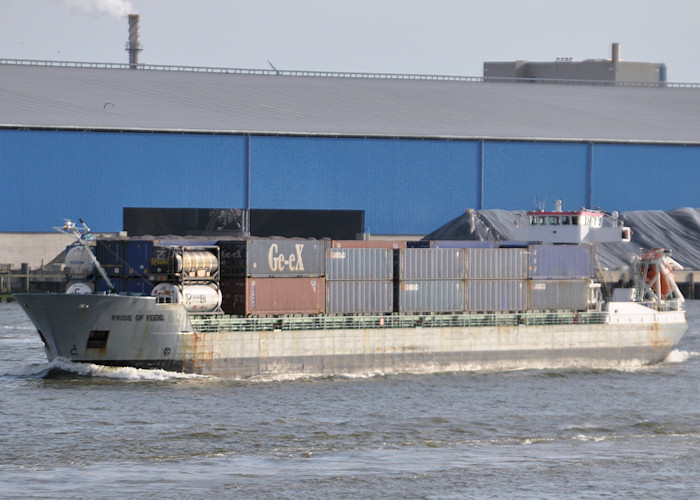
(677, 230)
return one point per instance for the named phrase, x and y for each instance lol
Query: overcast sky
(443, 37)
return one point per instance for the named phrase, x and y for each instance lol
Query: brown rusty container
(278, 296)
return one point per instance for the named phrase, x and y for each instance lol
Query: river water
(82, 431)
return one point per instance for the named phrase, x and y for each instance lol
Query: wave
(33, 371)
(535, 440)
(677, 356)
(62, 368)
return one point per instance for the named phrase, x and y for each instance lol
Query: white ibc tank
(80, 288)
(196, 298)
(78, 264)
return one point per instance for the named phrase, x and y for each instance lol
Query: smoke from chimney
(133, 46)
(114, 8)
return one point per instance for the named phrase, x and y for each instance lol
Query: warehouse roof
(113, 97)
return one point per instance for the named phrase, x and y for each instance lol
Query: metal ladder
(600, 278)
(640, 278)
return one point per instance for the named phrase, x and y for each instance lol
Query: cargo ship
(277, 307)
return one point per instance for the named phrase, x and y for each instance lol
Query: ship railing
(664, 305)
(341, 74)
(292, 323)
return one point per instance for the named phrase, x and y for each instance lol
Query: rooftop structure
(564, 68)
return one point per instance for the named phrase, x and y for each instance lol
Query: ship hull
(136, 331)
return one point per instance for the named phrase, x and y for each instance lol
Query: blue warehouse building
(87, 140)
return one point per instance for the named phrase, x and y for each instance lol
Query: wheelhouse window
(553, 220)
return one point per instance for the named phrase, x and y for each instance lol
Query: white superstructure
(579, 226)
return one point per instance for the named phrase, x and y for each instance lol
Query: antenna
(273, 67)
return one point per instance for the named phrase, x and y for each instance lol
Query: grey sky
(446, 37)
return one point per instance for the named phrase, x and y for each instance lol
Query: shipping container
(559, 294)
(462, 244)
(198, 263)
(391, 244)
(418, 244)
(126, 286)
(278, 296)
(496, 295)
(138, 257)
(496, 263)
(183, 241)
(124, 257)
(232, 261)
(359, 264)
(431, 264)
(111, 254)
(118, 283)
(78, 263)
(169, 262)
(196, 297)
(162, 261)
(428, 296)
(359, 297)
(139, 286)
(562, 261)
(273, 257)
(513, 244)
(233, 295)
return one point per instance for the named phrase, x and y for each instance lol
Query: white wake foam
(117, 372)
(677, 356)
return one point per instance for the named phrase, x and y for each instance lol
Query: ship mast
(83, 236)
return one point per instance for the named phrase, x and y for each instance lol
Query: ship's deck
(244, 324)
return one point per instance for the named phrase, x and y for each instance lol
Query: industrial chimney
(133, 46)
(616, 52)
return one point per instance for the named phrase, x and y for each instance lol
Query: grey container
(559, 294)
(431, 264)
(282, 257)
(426, 296)
(562, 261)
(497, 263)
(359, 297)
(496, 295)
(359, 264)
(462, 244)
